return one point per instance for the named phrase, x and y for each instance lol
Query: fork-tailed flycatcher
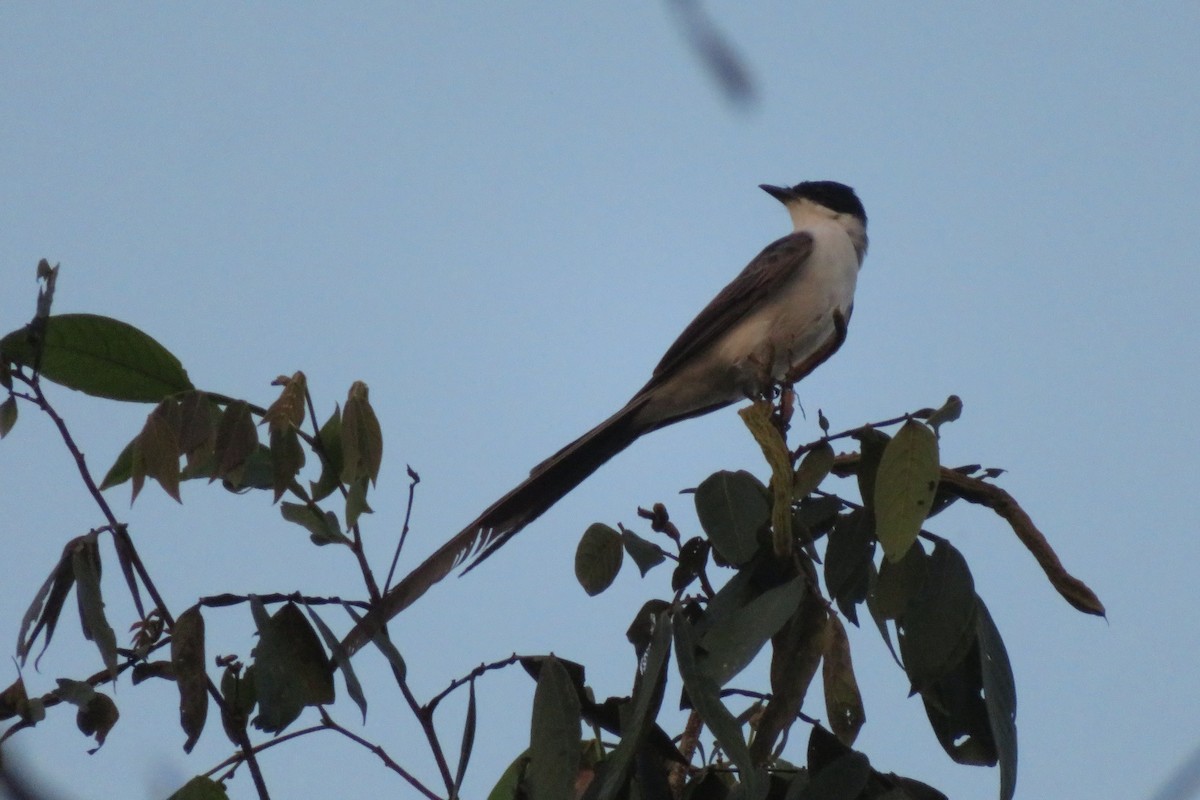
(783, 315)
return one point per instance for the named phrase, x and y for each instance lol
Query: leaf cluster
(770, 568)
(775, 570)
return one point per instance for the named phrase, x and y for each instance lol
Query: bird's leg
(785, 407)
(757, 375)
(803, 368)
(765, 379)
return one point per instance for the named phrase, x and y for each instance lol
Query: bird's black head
(835, 196)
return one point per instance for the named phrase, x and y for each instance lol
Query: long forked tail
(548, 483)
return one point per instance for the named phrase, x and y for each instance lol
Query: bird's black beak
(780, 193)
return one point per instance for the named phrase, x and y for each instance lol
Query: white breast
(795, 323)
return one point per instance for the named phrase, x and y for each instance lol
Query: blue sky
(500, 219)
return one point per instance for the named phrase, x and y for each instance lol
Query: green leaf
(647, 699)
(200, 788)
(85, 564)
(705, 696)
(1000, 697)
(693, 558)
(97, 718)
(287, 458)
(937, 626)
(712, 782)
(877, 615)
(122, 468)
(287, 412)
(383, 642)
(102, 357)
(645, 553)
(146, 670)
(732, 508)
(739, 590)
(575, 671)
(156, 450)
(509, 785)
(816, 515)
(642, 630)
(187, 663)
(322, 527)
(849, 558)
(795, 655)
(899, 582)
(15, 702)
(843, 779)
(555, 735)
(733, 641)
(843, 701)
(341, 660)
(258, 472)
(330, 437)
(47, 604)
(238, 690)
(815, 467)
(199, 418)
(871, 443)
(13, 698)
(237, 439)
(467, 745)
(356, 501)
(97, 712)
(904, 487)
(262, 619)
(37, 710)
(598, 558)
(76, 693)
(958, 713)
(362, 437)
(291, 668)
(8, 415)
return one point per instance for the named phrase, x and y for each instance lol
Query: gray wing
(774, 266)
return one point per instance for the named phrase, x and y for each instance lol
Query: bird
(781, 317)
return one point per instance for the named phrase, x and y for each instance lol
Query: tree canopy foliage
(836, 531)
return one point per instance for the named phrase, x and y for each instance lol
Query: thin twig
(851, 432)
(243, 741)
(425, 718)
(239, 757)
(127, 553)
(412, 489)
(387, 760)
(327, 724)
(470, 676)
(229, 599)
(50, 699)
